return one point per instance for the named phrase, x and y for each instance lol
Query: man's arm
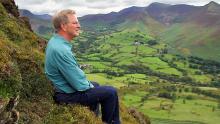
(71, 72)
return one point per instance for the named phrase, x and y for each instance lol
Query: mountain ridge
(41, 24)
(25, 12)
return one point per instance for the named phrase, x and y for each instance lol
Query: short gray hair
(61, 18)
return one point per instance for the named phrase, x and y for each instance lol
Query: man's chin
(77, 34)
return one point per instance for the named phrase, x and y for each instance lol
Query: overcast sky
(84, 7)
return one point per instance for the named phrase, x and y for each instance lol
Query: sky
(85, 7)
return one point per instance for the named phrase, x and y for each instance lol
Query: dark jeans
(105, 95)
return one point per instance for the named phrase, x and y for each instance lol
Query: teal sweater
(61, 67)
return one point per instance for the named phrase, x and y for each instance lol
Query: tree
(152, 42)
(213, 108)
(184, 101)
(165, 95)
(180, 90)
(174, 97)
(144, 98)
(184, 64)
(186, 90)
(136, 43)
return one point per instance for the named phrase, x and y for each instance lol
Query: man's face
(72, 27)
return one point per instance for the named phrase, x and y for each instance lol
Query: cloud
(30, 1)
(83, 7)
(92, 1)
(190, 2)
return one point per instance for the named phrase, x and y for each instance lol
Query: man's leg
(108, 98)
(105, 95)
(77, 98)
(95, 107)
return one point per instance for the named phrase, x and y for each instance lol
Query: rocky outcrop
(11, 7)
(42, 44)
(26, 21)
(140, 117)
(8, 113)
(12, 10)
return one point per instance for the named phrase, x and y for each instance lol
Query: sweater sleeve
(71, 72)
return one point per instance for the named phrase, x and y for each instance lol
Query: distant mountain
(45, 17)
(41, 24)
(27, 13)
(133, 18)
(169, 14)
(196, 32)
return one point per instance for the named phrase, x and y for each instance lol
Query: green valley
(164, 86)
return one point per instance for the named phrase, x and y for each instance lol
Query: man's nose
(78, 25)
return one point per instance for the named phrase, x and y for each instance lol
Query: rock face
(26, 21)
(42, 44)
(8, 113)
(140, 117)
(13, 11)
(11, 7)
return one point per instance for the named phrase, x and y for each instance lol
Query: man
(70, 83)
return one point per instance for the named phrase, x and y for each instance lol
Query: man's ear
(63, 27)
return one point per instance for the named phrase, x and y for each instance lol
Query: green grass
(168, 121)
(126, 61)
(172, 71)
(127, 48)
(102, 79)
(146, 50)
(154, 61)
(133, 98)
(193, 110)
(156, 64)
(209, 88)
(202, 78)
(98, 65)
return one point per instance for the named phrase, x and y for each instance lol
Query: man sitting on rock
(69, 81)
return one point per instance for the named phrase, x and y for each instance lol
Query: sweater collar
(62, 39)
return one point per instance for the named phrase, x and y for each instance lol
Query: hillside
(21, 73)
(196, 33)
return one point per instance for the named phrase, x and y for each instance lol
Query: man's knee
(95, 84)
(112, 91)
